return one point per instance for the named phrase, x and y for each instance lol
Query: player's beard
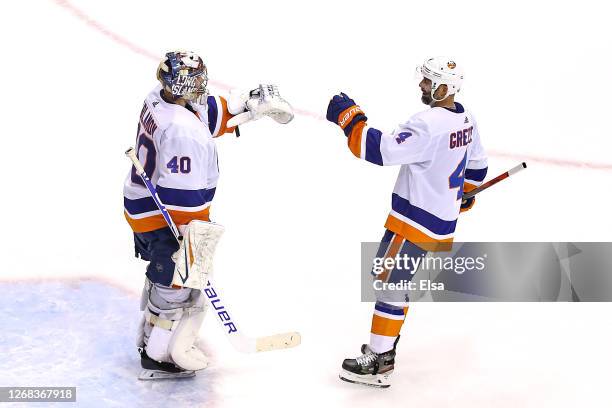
(426, 99)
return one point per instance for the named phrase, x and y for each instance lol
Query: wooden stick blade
(278, 341)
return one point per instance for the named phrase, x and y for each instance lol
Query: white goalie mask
(442, 70)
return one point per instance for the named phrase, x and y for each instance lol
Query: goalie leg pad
(183, 349)
(194, 259)
(172, 320)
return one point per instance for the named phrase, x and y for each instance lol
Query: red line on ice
(551, 161)
(96, 25)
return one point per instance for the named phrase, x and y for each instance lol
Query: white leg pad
(157, 345)
(183, 349)
(140, 335)
(172, 320)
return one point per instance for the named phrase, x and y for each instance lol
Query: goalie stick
(239, 340)
(495, 180)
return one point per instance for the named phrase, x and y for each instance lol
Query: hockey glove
(344, 112)
(263, 101)
(467, 204)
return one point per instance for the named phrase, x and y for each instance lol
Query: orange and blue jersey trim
(170, 197)
(218, 115)
(419, 226)
(183, 205)
(434, 224)
(415, 235)
(354, 138)
(364, 143)
(157, 221)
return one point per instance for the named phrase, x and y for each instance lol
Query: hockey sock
(387, 322)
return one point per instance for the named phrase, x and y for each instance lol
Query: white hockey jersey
(441, 157)
(176, 147)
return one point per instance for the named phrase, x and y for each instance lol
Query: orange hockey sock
(387, 323)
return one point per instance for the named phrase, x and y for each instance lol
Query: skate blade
(378, 380)
(163, 375)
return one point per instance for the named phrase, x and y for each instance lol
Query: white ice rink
(295, 202)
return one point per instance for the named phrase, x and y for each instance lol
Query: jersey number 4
(455, 180)
(401, 138)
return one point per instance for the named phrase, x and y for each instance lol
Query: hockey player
(175, 144)
(441, 156)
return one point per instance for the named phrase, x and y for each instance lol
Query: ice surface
(81, 334)
(295, 203)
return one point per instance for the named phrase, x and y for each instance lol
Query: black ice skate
(370, 368)
(155, 370)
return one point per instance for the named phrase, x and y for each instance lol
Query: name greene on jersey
(461, 138)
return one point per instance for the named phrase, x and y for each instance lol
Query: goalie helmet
(183, 74)
(442, 70)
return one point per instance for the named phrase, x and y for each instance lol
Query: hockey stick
(495, 180)
(240, 341)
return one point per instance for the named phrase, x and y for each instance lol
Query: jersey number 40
(177, 164)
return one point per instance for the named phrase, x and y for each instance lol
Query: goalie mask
(442, 70)
(184, 75)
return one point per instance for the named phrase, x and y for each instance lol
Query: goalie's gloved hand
(344, 112)
(262, 101)
(236, 102)
(467, 204)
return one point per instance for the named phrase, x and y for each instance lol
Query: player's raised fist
(344, 112)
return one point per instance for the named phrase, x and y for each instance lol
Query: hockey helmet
(183, 74)
(442, 70)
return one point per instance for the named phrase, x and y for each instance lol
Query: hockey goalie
(175, 143)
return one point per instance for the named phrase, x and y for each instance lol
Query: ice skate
(155, 370)
(370, 368)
